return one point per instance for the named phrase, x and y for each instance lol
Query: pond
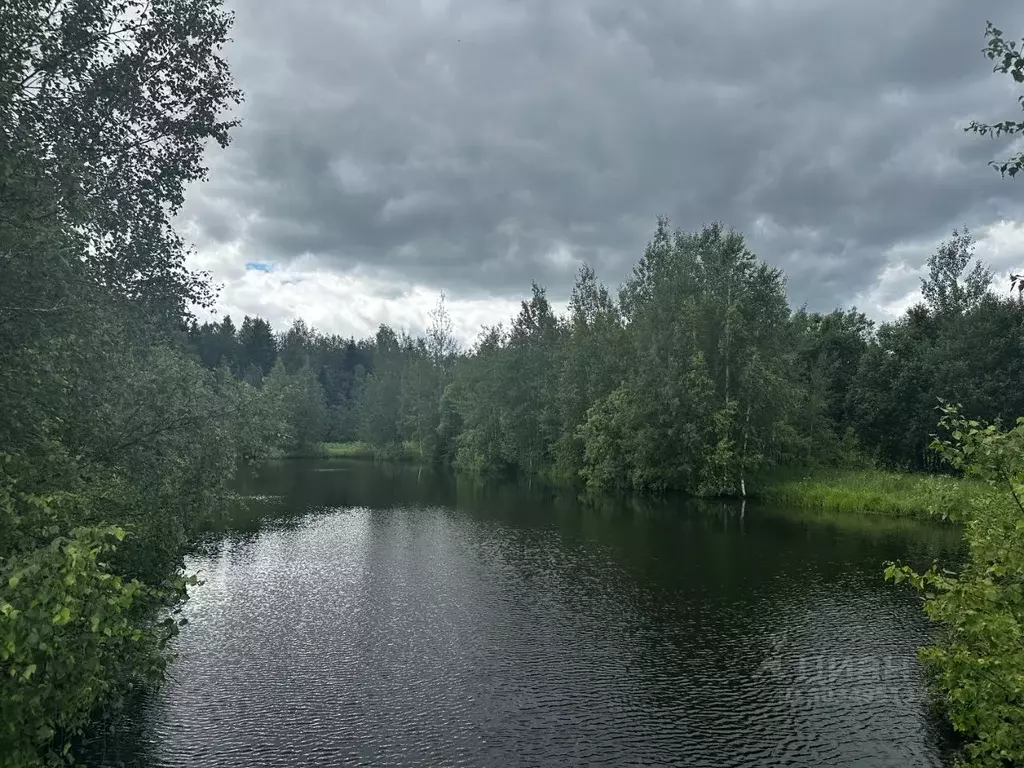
(362, 614)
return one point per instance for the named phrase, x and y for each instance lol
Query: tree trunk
(728, 308)
(743, 455)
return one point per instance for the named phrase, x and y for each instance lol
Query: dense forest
(697, 376)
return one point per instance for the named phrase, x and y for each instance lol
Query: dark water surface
(367, 615)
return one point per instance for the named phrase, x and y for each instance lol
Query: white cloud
(348, 304)
(1000, 245)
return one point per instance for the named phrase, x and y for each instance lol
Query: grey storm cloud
(472, 145)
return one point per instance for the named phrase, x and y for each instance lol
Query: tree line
(697, 375)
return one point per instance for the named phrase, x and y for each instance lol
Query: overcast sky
(393, 149)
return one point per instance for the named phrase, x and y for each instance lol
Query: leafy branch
(1008, 56)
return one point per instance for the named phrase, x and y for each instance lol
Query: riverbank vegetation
(899, 494)
(353, 450)
(115, 443)
(403, 452)
(977, 665)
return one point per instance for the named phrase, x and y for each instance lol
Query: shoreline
(856, 491)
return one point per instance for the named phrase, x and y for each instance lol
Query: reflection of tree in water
(578, 624)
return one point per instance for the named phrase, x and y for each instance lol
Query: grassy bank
(409, 452)
(353, 450)
(871, 490)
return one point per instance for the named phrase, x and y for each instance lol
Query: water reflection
(378, 615)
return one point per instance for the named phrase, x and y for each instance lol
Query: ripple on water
(424, 636)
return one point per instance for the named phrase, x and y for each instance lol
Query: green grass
(353, 450)
(409, 452)
(871, 490)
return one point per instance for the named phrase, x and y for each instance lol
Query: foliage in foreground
(115, 445)
(1008, 59)
(94, 520)
(978, 664)
(73, 632)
